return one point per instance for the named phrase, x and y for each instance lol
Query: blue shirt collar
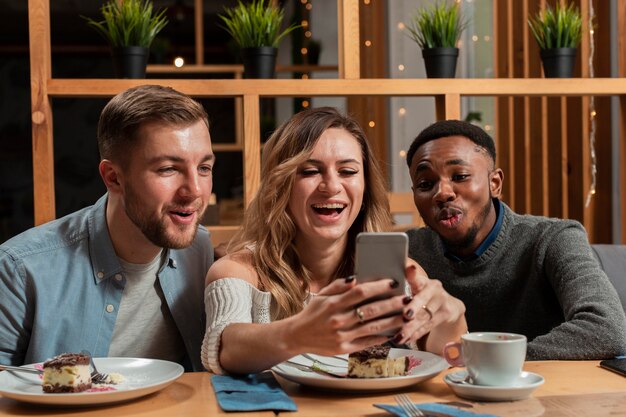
(491, 237)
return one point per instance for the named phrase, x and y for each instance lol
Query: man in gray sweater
(516, 273)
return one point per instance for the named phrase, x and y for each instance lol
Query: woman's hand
(430, 313)
(332, 323)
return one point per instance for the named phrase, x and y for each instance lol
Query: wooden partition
(530, 147)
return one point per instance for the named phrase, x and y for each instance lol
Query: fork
(96, 377)
(407, 406)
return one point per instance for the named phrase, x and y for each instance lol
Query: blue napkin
(432, 407)
(251, 393)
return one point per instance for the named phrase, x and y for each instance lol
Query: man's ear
(496, 179)
(111, 175)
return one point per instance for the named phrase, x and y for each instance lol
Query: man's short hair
(447, 128)
(127, 111)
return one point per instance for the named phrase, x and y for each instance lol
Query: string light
(305, 103)
(368, 43)
(401, 26)
(402, 154)
(308, 33)
(401, 111)
(371, 123)
(304, 51)
(305, 76)
(475, 38)
(179, 61)
(401, 67)
(592, 110)
(309, 6)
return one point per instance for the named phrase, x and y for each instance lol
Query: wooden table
(191, 395)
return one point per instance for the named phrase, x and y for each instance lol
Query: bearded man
(124, 277)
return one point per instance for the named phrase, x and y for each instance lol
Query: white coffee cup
(491, 358)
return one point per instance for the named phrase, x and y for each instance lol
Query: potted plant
(129, 26)
(256, 28)
(558, 32)
(436, 30)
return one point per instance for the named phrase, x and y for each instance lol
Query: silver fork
(408, 406)
(96, 377)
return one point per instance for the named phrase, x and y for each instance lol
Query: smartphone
(616, 365)
(380, 256)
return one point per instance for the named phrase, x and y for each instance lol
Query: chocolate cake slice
(67, 372)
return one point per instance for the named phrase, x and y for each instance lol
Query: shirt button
(100, 274)
(118, 277)
(110, 308)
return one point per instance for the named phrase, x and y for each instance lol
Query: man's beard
(468, 240)
(155, 229)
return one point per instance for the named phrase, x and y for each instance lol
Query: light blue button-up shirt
(59, 291)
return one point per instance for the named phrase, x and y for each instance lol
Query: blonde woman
(282, 291)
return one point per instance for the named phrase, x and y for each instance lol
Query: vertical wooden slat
(251, 147)
(448, 107)
(198, 13)
(621, 25)
(348, 47)
(41, 112)
(565, 209)
(526, 106)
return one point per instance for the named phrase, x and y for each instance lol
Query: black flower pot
(558, 62)
(130, 61)
(440, 62)
(259, 62)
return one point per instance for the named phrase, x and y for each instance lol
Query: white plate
(431, 365)
(142, 377)
(525, 385)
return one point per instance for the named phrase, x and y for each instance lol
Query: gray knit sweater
(538, 278)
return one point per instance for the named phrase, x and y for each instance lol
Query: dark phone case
(615, 365)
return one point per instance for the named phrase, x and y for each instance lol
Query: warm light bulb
(179, 62)
(309, 6)
(401, 67)
(307, 33)
(401, 111)
(305, 76)
(474, 38)
(304, 51)
(366, 1)
(305, 103)
(401, 26)
(303, 1)
(487, 128)
(368, 43)
(372, 123)
(591, 32)
(487, 38)
(305, 23)
(593, 113)
(402, 154)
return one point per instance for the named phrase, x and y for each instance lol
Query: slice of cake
(374, 362)
(67, 372)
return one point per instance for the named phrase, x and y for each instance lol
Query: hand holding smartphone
(381, 256)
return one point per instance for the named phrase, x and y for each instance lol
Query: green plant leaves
(255, 24)
(559, 27)
(437, 26)
(129, 23)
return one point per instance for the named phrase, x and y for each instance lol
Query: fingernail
(350, 279)
(394, 284)
(409, 313)
(398, 338)
(406, 300)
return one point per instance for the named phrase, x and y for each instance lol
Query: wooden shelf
(529, 87)
(247, 93)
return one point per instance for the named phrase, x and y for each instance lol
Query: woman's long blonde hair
(269, 228)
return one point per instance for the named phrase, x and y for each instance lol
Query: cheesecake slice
(67, 372)
(374, 362)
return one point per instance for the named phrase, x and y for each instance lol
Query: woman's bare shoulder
(234, 265)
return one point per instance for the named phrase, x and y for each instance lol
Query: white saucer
(525, 385)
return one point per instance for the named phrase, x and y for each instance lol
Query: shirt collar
(491, 237)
